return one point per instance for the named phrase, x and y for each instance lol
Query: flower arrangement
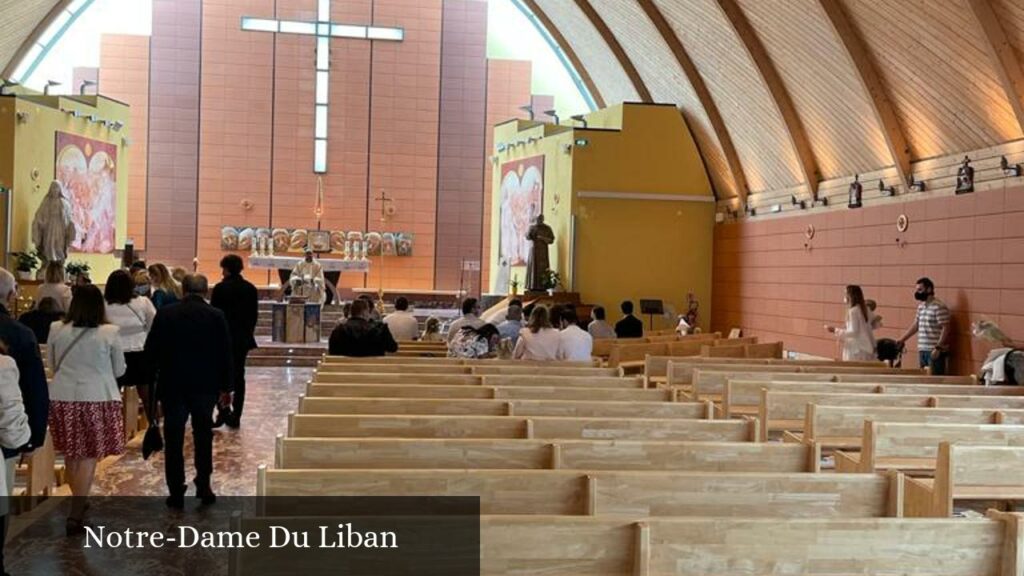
(74, 268)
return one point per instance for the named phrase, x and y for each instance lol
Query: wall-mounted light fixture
(49, 84)
(801, 203)
(116, 125)
(916, 185)
(820, 201)
(775, 208)
(529, 110)
(581, 143)
(532, 140)
(7, 84)
(567, 148)
(581, 119)
(22, 116)
(501, 147)
(1009, 170)
(553, 114)
(85, 86)
(884, 190)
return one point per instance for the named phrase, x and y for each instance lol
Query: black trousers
(238, 386)
(177, 411)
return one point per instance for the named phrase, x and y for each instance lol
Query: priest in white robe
(307, 279)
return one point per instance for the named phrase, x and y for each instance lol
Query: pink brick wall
(972, 246)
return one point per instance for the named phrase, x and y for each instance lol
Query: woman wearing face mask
(142, 285)
(857, 337)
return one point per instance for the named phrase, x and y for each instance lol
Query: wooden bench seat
(612, 546)
(967, 472)
(912, 448)
(390, 360)
(504, 392)
(466, 453)
(471, 380)
(597, 492)
(490, 407)
(713, 381)
(680, 371)
(550, 369)
(397, 426)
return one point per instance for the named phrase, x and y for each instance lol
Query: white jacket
(14, 430)
(89, 371)
(857, 337)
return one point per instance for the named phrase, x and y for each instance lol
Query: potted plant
(551, 281)
(75, 269)
(27, 262)
(515, 285)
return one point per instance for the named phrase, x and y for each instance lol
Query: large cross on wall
(323, 29)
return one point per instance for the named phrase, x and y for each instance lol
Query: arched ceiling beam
(739, 179)
(870, 80)
(783, 102)
(1002, 54)
(616, 48)
(559, 39)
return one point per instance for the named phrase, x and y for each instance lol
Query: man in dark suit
(23, 347)
(630, 326)
(360, 336)
(237, 298)
(189, 348)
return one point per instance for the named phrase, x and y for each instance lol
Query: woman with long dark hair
(133, 315)
(857, 336)
(539, 340)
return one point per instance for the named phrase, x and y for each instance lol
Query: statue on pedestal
(538, 262)
(53, 229)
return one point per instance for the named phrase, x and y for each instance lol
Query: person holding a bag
(85, 403)
(133, 315)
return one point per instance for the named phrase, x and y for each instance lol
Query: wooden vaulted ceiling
(785, 94)
(780, 94)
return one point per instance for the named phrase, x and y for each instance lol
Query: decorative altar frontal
(328, 264)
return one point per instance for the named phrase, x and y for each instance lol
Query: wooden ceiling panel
(1011, 14)
(666, 80)
(826, 92)
(18, 19)
(747, 108)
(932, 56)
(594, 53)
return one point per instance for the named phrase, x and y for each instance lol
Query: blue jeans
(937, 365)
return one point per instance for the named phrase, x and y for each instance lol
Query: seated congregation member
(41, 317)
(360, 336)
(403, 324)
(371, 307)
(857, 336)
(470, 317)
(630, 326)
(574, 343)
(539, 340)
(432, 331)
(166, 290)
(512, 325)
(54, 286)
(85, 404)
(35, 393)
(472, 342)
(189, 351)
(238, 299)
(14, 431)
(931, 324)
(599, 328)
(133, 315)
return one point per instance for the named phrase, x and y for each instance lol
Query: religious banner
(522, 199)
(88, 170)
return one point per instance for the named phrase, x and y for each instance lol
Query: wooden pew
(656, 367)
(840, 427)
(631, 352)
(596, 492)
(613, 546)
(467, 453)
(552, 369)
(680, 370)
(965, 472)
(503, 392)
(344, 360)
(710, 383)
(912, 448)
(489, 407)
(472, 380)
(541, 427)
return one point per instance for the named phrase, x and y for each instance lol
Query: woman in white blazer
(857, 336)
(14, 431)
(85, 405)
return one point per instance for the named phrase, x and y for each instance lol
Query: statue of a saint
(53, 230)
(965, 177)
(538, 262)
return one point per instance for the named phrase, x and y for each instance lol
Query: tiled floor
(271, 393)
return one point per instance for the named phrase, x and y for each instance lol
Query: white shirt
(601, 329)
(134, 320)
(14, 430)
(466, 320)
(575, 345)
(857, 338)
(543, 345)
(89, 371)
(403, 325)
(59, 292)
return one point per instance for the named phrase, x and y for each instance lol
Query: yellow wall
(625, 248)
(34, 149)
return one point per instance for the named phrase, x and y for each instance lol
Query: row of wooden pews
(581, 470)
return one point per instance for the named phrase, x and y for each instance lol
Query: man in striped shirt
(932, 328)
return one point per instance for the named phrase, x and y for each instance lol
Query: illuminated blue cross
(323, 29)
